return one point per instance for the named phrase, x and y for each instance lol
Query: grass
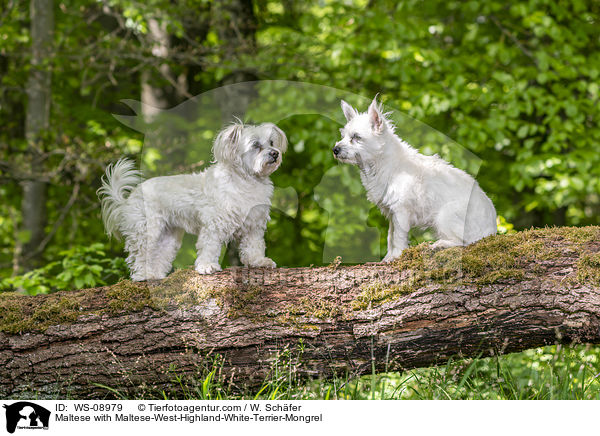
(549, 373)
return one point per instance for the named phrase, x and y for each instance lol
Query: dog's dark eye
(355, 137)
(271, 142)
(256, 144)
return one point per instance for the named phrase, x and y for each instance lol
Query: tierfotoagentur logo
(24, 415)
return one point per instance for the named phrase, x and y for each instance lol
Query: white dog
(412, 189)
(228, 201)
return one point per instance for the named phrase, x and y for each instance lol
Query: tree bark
(156, 98)
(236, 26)
(37, 120)
(530, 289)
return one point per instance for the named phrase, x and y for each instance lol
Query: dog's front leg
(390, 237)
(252, 249)
(397, 236)
(208, 248)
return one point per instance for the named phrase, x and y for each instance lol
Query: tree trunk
(156, 98)
(503, 294)
(37, 121)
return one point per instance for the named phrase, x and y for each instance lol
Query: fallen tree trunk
(503, 294)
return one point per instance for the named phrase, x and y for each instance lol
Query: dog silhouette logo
(26, 415)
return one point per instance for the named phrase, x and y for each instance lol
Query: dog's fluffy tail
(121, 177)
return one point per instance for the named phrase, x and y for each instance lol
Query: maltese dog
(411, 189)
(230, 200)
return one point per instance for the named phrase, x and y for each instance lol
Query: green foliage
(514, 83)
(80, 267)
(504, 227)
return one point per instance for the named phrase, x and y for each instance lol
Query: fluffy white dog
(412, 189)
(228, 201)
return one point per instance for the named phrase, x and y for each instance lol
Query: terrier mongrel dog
(411, 189)
(230, 200)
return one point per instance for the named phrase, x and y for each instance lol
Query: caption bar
(74, 417)
(190, 413)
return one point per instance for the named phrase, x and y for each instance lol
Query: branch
(503, 294)
(514, 39)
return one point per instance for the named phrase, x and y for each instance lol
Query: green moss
(578, 235)
(336, 262)
(495, 259)
(309, 327)
(501, 275)
(491, 260)
(184, 287)
(63, 311)
(413, 257)
(376, 293)
(237, 300)
(17, 314)
(129, 296)
(588, 268)
(316, 307)
(299, 314)
(372, 294)
(11, 312)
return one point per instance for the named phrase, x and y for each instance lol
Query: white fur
(411, 189)
(230, 200)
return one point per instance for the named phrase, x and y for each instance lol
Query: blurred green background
(508, 91)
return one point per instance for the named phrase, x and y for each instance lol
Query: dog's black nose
(336, 150)
(274, 154)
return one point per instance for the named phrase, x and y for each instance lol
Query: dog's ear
(349, 111)
(279, 138)
(376, 116)
(225, 147)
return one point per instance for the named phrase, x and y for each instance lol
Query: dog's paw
(443, 243)
(137, 277)
(263, 262)
(390, 257)
(208, 268)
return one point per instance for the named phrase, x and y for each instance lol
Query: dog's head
(362, 136)
(256, 150)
